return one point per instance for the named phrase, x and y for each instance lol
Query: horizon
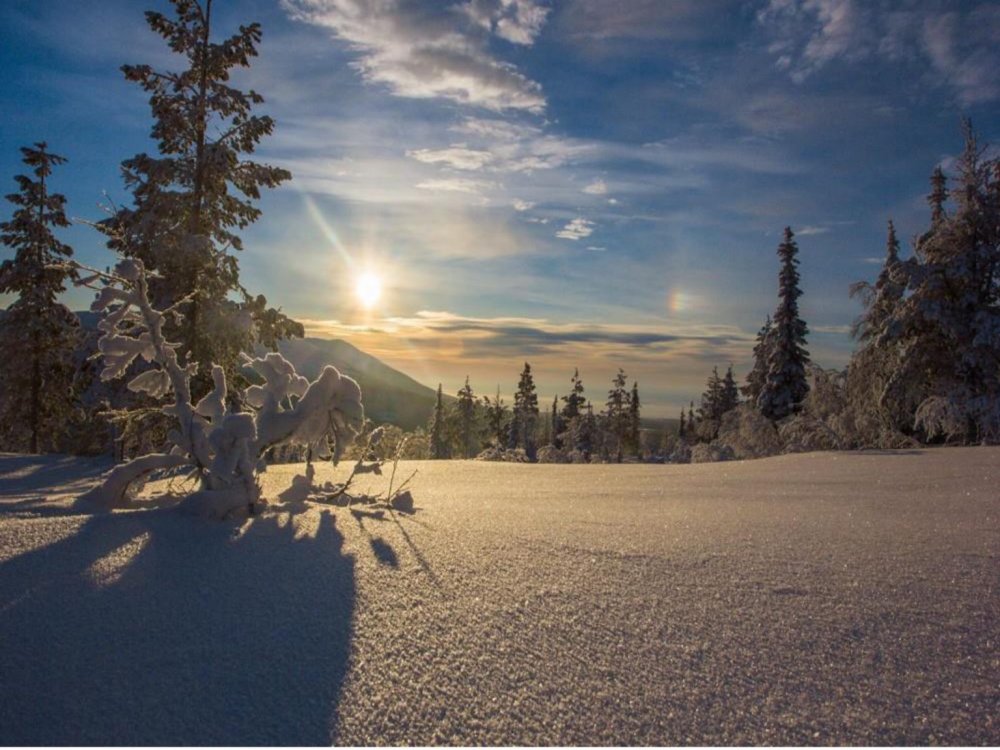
(580, 186)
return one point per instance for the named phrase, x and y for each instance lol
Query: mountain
(388, 395)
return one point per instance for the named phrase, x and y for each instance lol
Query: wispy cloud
(961, 46)
(597, 187)
(577, 229)
(811, 230)
(425, 51)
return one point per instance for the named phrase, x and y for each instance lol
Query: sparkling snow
(847, 598)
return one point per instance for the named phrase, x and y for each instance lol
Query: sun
(368, 289)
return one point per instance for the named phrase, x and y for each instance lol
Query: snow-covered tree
(466, 410)
(37, 333)
(682, 426)
(439, 440)
(584, 432)
(191, 199)
(785, 383)
(555, 438)
(524, 420)
(947, 326)
(223, 448)
(761, 354)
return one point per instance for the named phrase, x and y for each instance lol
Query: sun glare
(368, 289)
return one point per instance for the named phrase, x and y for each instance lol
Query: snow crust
(838, 598)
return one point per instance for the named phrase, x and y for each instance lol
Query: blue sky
(578, 183)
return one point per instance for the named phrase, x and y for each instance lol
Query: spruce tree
(557, 427)
(634, 422)
(761, 354)
(496, 417)
(37, 333)
(680, 429)
(525, 416)
(574, 400)
(945, 327)
(881, 298)
(467, 420)
(191, 199)
(711, 399)
(785, 384)
(439, 441)
(586, 437)
(730, 397)
(616, 415)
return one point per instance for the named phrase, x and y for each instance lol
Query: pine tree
(438, 428)
(945, 327)
(761, 354)
(496, 417)
(634, 422)
(616, 415)
(190, 200)
(730, 397)
(467, 420)
(37, 333)
(525, 415)
(882, 298)
(785, 384)
(680, 429)
(711, 399)
(691, 421)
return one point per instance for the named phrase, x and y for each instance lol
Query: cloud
(516, 21)
(811, 230)
(577, 229)
(456, 185)
(520, 205)
(456, 157)
(434, 51)
(644, 19)
(597, 187)
(961, 47)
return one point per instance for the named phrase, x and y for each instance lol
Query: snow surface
(846, 598)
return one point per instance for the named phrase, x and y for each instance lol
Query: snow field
(820, 598)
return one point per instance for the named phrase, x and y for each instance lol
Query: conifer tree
(557, 427)
(680, 429)
(785, 384)
(37, 333)
(525, 414)
(691, 421)
(945, 327)
(191, 199)
(439, 441)
(761, 354)
(730, 397)
(711, 399)
(882, 298)
(496, 417)
(467, 420)
(574, 400)
(586, 438)
(634, 422)
(616, 415)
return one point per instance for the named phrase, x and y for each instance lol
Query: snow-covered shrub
(704, 453)
(549, 454)
(748, 433)
(804, 434)
(508, 455)
(224, 449)
(681, 454)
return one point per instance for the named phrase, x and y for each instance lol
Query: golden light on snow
(368, 289)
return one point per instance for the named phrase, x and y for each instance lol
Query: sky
(573, 183)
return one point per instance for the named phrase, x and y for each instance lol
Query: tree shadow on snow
(154, 628)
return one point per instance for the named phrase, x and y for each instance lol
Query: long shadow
(203, 637)
(40, 473)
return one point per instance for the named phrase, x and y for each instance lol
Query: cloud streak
(422, 51)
